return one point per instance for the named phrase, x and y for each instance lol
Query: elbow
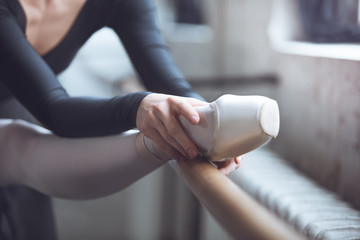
(60, 131)
(60, 126)
(68, 129)
(54, 114)
(57, 118)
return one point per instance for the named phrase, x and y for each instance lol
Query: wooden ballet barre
(242, 216)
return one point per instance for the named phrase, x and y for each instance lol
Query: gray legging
(24, 212)
(69, 168)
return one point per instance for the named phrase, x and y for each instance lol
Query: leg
(69, 168)
(26, 212)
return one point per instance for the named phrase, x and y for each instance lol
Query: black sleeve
(31, 80)
(135, 23)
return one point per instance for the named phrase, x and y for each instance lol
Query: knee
(14, 128)
(16, 137)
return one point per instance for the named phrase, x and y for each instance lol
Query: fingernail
(195, 118)
(192, 153)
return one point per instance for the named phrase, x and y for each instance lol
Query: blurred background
(301, 53)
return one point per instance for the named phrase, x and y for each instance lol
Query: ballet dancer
(85, 168)
(39, 39)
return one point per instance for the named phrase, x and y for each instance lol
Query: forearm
(34, 84)
(70, 168)
(89, 117)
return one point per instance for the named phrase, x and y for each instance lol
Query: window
(330, 20)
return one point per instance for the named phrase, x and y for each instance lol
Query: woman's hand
(228, 166)
(157, 119)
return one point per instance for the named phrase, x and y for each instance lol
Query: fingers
(173, 133)
(228, 166)
(239, 159)
(164, 145)
(184, 108)
(196, 103)
(157, 119)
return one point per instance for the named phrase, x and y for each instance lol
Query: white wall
(239, 44)
(320, 120)
(319, 97)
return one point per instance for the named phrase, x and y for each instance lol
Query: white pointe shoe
(239, 125)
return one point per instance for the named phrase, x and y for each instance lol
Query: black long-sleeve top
(32, 78)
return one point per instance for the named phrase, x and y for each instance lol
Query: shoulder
(131, 8)
(4, 8)
(139, 5)
(11, 9)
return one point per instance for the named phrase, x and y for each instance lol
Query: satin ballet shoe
(147, 149)
(237, 125)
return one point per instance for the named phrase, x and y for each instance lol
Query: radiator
(314, 211)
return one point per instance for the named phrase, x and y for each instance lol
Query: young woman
(39, 38)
